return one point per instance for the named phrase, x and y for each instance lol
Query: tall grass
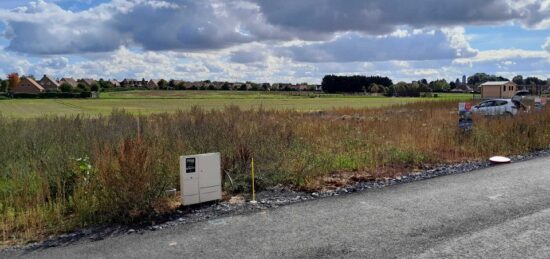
(61, 173)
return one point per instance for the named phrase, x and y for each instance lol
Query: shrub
(66, 88)
(24, 95)
(129, 181)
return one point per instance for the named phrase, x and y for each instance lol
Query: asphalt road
(500, 212)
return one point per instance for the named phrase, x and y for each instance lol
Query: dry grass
(132, 159)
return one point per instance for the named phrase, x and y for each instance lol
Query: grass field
(148, 102)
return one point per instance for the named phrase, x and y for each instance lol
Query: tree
(374, 88)
(180, 86)
(162, 84)
(104, 84)
(66, 88)
(423, 81)
(518, 79)
(480, 78)
(390, 91)
(452, 85)
(82, 87)
(440, 85)
(95, 87)
(172, 84)
(352, 84)
(533, 81)
(4, 85)
(14, 81)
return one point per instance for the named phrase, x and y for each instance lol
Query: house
(87, 82)
(114, 83)
(462, 88)
(133, 83)
(498, 89)
(48, 83)
(68, 80)
(28, 86)
(153, 84)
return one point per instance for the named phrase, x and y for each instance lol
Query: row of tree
(354, 84)
(377, 84)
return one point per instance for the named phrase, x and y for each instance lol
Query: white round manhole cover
(499, 160)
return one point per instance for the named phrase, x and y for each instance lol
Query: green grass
(149, 102)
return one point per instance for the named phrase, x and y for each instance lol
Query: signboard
(540, 103)
(464, 107)
(465, 121)
(190, 165)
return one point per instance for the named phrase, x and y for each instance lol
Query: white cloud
(546, 45)
(503, 55)
(353, 47)
(265, 40)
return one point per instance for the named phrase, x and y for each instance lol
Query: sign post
(540, 103)
(465, 121)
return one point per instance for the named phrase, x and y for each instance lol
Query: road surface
(500, 212)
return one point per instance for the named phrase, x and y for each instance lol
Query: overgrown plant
(128, 161)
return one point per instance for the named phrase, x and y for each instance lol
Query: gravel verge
(271, 198)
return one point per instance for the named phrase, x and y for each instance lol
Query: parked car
(522, 93)
(498, 107)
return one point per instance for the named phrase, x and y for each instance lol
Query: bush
(129, 182)
(24, 95)
(65, 87)
(48, 95)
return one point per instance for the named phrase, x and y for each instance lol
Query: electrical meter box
(200, 178)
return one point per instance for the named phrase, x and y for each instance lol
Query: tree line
(385, 86)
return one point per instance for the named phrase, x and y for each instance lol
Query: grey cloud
(354, 47)
(55, 63)
(194, 26)
(189, 25)
(248, 56)
(382, 16)
(45, 28)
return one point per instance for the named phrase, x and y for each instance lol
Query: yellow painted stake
(253, 189)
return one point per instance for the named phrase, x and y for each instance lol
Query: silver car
(496, 107)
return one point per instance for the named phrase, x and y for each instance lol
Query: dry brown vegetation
(45, 190)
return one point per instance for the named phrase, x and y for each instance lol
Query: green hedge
(52, 95)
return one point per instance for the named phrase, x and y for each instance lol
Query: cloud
(353, 47)
(503, 55)
(248, 56)
(55, 62)
(546, 45)
(44, 28)
(385, 16)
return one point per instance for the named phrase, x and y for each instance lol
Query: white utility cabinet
(200, 178)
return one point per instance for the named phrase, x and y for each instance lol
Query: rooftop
(495, 83)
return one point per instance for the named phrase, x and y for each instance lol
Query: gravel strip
(271, 198)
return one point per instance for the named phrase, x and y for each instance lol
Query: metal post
(253, 187)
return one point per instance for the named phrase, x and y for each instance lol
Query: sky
(274, 41)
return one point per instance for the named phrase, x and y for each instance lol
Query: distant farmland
(148, 102)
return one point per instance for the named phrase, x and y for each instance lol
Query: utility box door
(200, 178)
(210, 171)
